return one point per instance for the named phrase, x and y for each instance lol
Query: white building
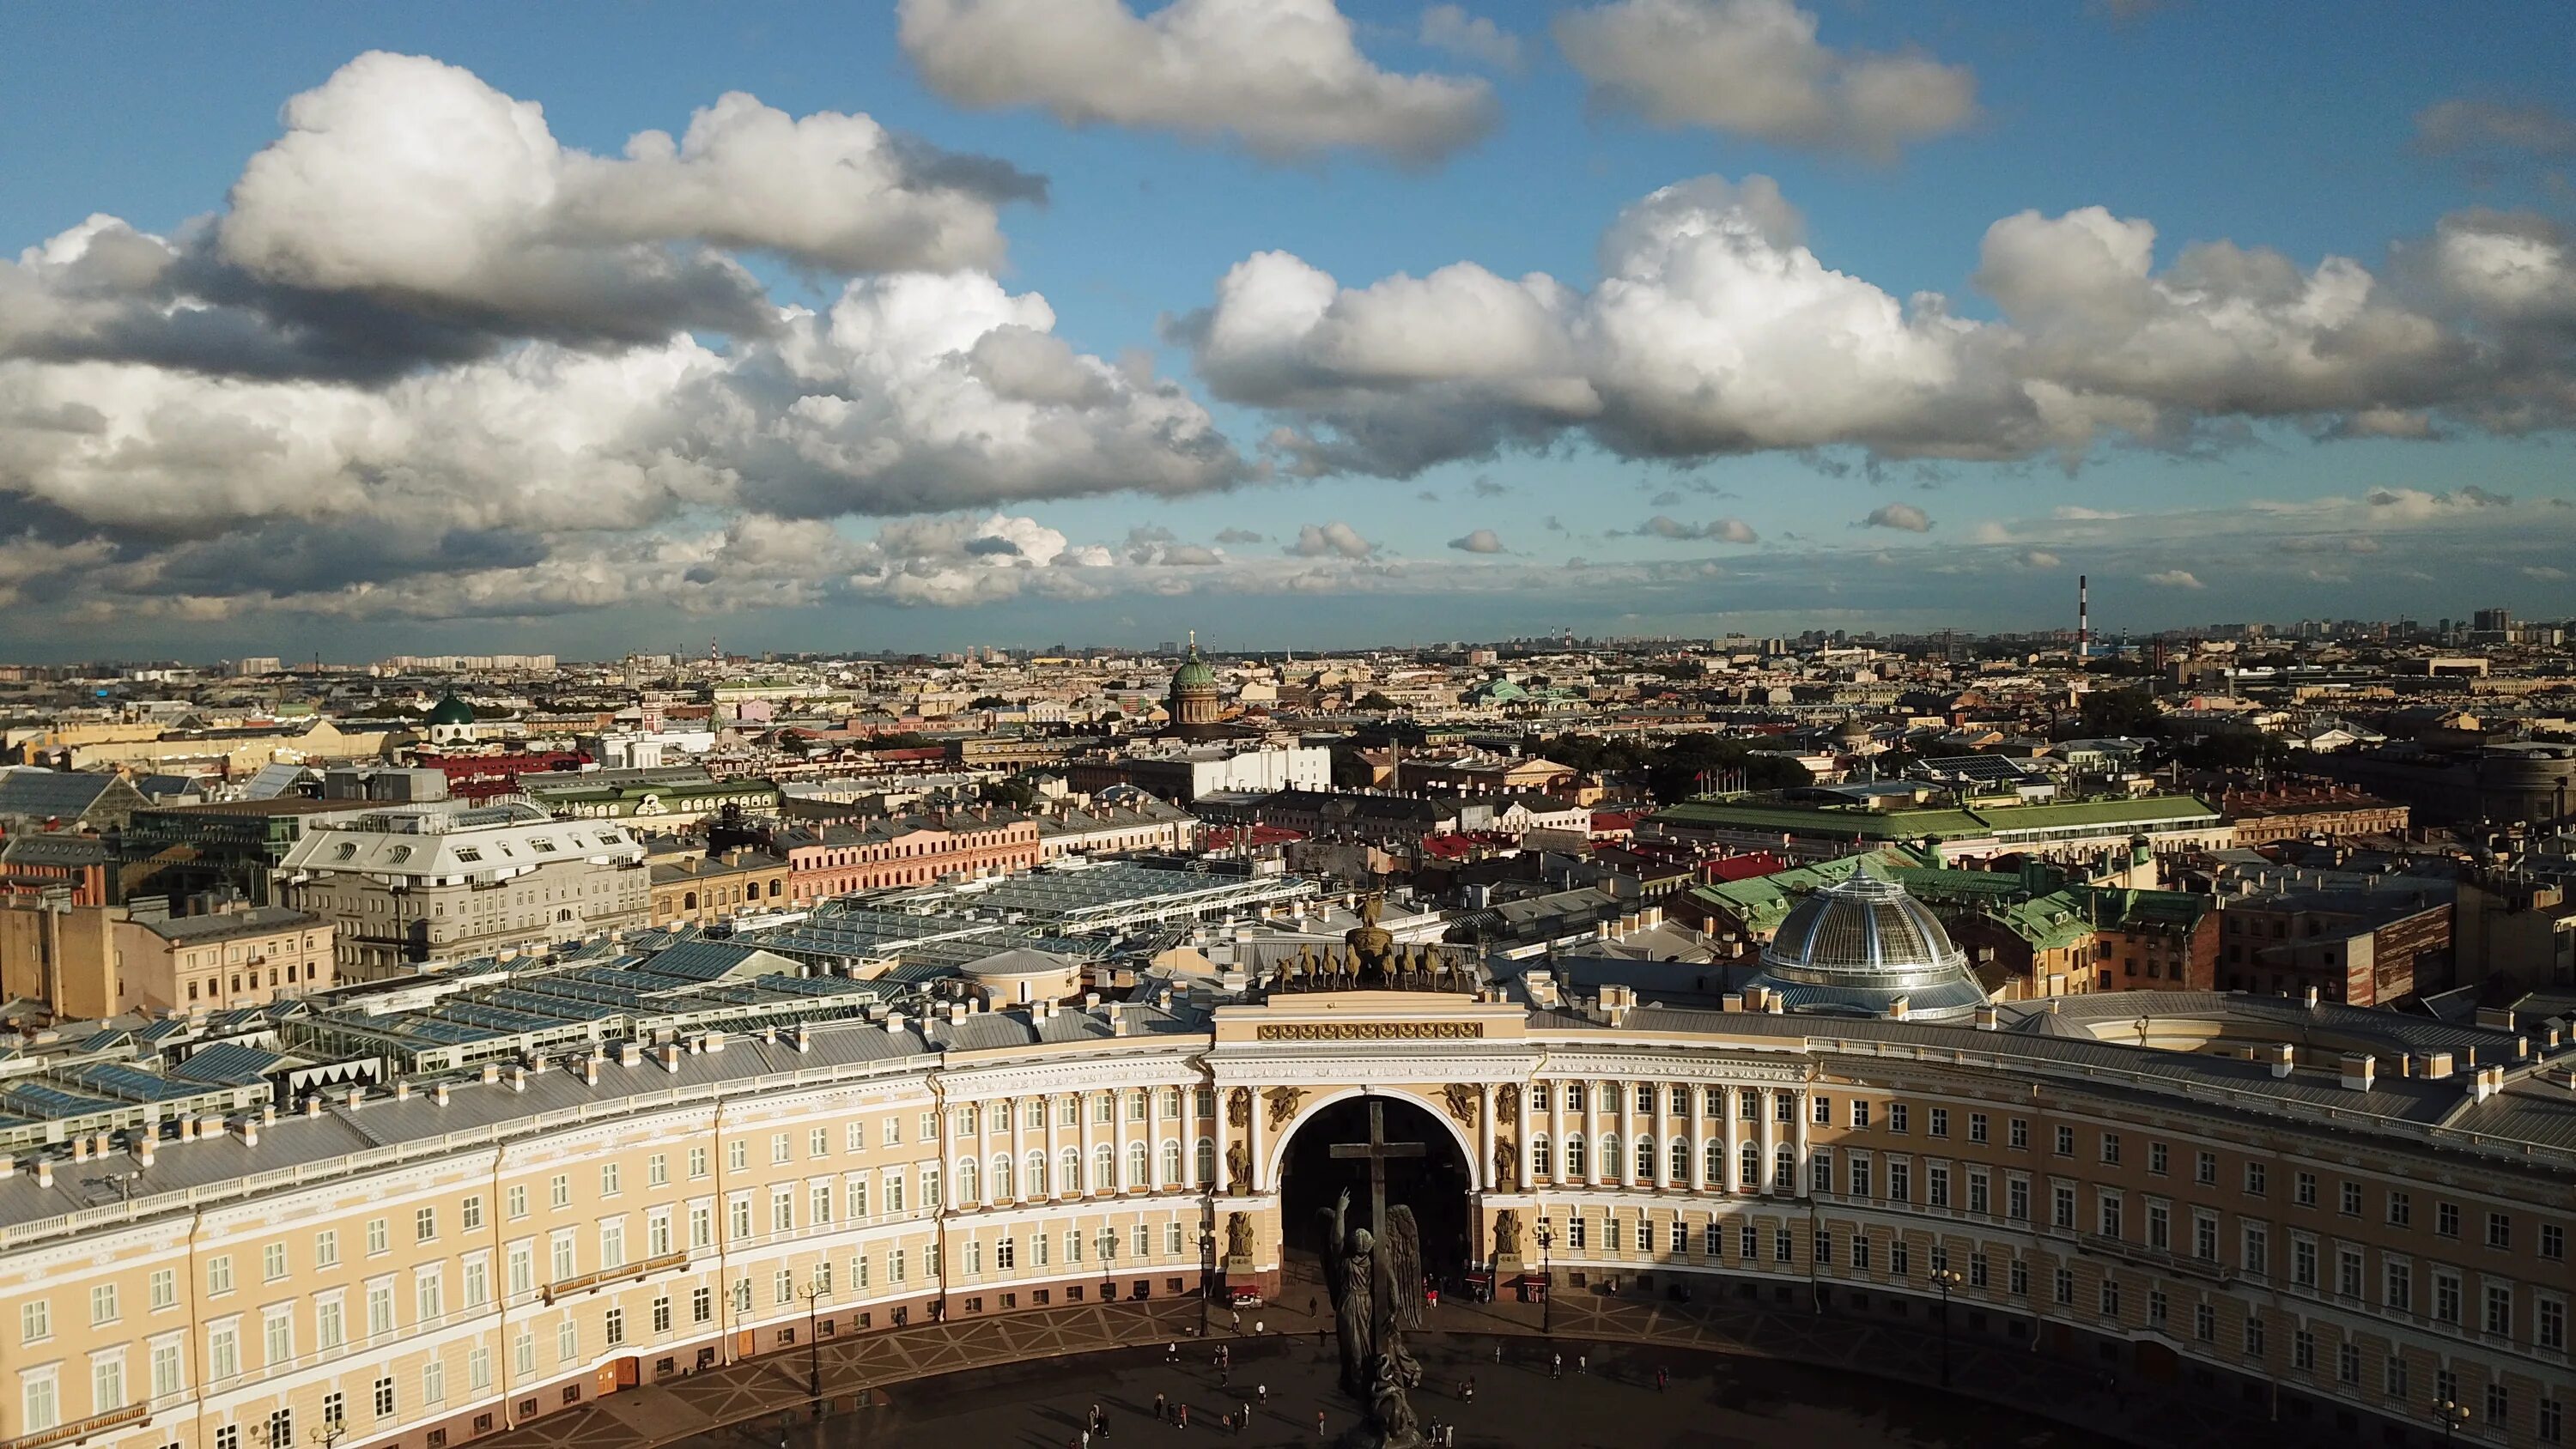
(419, 887)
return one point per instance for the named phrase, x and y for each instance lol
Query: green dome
(451, 711)
(1194, 673)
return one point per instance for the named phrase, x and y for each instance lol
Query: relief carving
(1283, 1104)
(1238, 1107)
(1463, 1102)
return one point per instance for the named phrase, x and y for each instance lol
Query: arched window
(1612, 1164)
(966, 1182)
(1749, 1166)
(775, 887)
(1071, 1171)
(1172, 1163)
(1784, 1169)
(1574, 1155)
(1645, 1160)
(1037, 1174)
(1140, 1164)
(689, 902)
(1207, 1162)
(1002, 1177)
(1715, 1163)
(1104, 1168)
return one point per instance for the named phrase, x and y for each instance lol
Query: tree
(2112, 713)
(1377, 702)
(989, 701)
(1350, 771)
(1015, 794)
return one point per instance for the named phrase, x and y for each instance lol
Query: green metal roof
(1842, 820)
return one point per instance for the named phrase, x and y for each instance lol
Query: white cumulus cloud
(1478, 540)
(1331, 540)
(1285, 78)
(1904, 516)
(2175, 579)
(1755, 68)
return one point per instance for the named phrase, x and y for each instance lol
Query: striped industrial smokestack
(2083, 616)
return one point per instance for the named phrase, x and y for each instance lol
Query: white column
(1260, 1173)
(1805, 1140)
(1592, 1133)
(1556, 1132)
(1083, 1113)
(1730, 1117)
(1663, 1136)
(1019, 1149)
(983, 1156)
(1049, 1109)
(1770, 1137)
(1483, 1176)
(1698, 1137)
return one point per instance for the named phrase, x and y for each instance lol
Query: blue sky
(2291, 466)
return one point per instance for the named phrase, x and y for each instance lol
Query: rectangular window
(424, 1224)
(1976, 1126)
(1859, 1113)
(2158, 1159)
(219, 1275)
(272, 1262)
(2401, 1209)
(2254, 1179)
(168, 1377)
(2017, 1134)
(611, 1179)
(164, 1285)
(469, 1215)
(2205, 1169)
(514, 1202)
(223, 1352)
(559, 1190)
(1940, 1122)
(2111, 1148)
(657, 1170)
(2065, 1141)
(2303, 1189)
(102, 1304)
(2499, 1231)
(1896, 1115)
(330, 1328)
(2446, 1219)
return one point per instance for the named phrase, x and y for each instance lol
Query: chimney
(44, 1172)
(145, 1144)
(518, 1079)
(250, 1132)
(1117, 1022)
(2436, 1066)
(2281, 1055)
(188, 1128)
(1989, 1019)
(402, 1090)
(80, 1148)
(1898, 1009)
(956, 1015)
(2356, 1069)
(8, 1168)
(2496, 1018)
(357, 1098)
(629, 1054)
(715, 1042)
(2312, 998)
(312, 1104)
(491, 1073)
(438, 1094)
(268, 1113)
(671, 1057)
(894, 1023)
(590, 1071)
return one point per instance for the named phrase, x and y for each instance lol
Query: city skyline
(951, 323)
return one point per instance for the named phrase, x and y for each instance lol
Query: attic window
(346, 852)
(401, 853)
(467, 852)
(546, 846)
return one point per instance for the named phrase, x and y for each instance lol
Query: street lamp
(813, 1293)
(1945, 1279)
(1207, 1272)
(2453, 1414)
(1547, 1272)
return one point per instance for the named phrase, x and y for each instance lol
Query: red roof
(1743, 867)
(1228, 837)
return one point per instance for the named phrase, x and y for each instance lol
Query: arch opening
(1422, 1167)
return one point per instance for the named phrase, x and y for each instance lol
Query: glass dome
(1858, 946)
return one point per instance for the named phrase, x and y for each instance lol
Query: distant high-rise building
(2491, 621)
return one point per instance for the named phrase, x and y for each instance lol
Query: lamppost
(1207, 1271)
(1945, 1279)
(2453, 1414)
(813, 1293)
(1547, 1272)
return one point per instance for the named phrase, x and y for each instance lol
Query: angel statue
(1377, 1295)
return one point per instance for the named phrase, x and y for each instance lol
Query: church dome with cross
(1195, 704)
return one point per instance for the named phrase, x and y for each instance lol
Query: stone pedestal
(1508, 1266)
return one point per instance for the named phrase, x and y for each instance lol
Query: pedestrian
(1663, 1379)
(1262, 1392)
(1243, 1420)
(1161, 1408)
(1310, 1305)
(1183, 1421)
(1257, 1329)
(1583, 1363)
(1238, 1323)
(1498, 1350)
(1556, 1365)
(1319, 1423)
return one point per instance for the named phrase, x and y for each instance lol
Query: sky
(595, 328)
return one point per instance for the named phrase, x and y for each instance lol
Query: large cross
(1377, 1151)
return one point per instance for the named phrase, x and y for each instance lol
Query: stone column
(1805, 1138)
(1730, 1125)
(1770, 1124)
(1483, 1176)
(1593, 1154)
(1252, 1126)
(1556, 1132)
(1050, 1109)
(1083, 1113)
(1698, 1138)
(1019, 1149)
(1663, 1136)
